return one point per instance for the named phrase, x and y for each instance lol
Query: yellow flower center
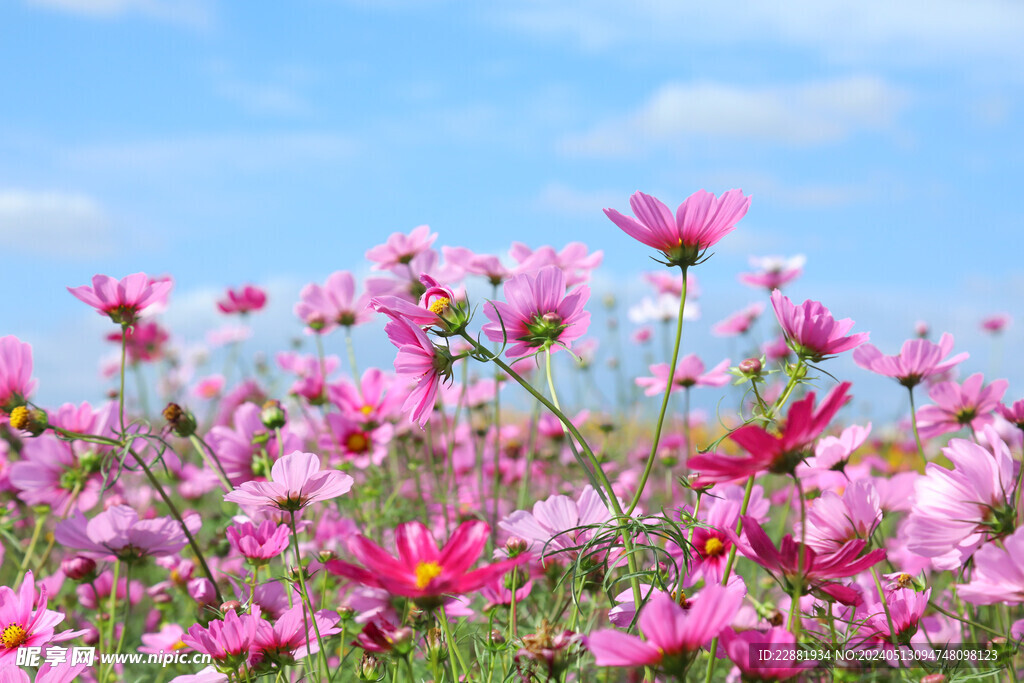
(439, 305)
(14, 635)
(366, 409)
(180, 645)
(713, 546)
(357, 442)
(425, 573)
(20, 417)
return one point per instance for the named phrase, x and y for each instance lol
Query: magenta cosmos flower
(420, 362)
(125, 300)
(538, 314)
(773, 272)
(689, 372)
(259, 543)
(815, 571)
(673, 634)
(959, 405)
(231, 641)
(699, 223)
(422, 571)
(739, 322)
(324, 307)
(811, 331)
(996, 323)
(957, 510)
(24, 624)
(400, 249)
(16, 381)
(245, 300)
(777, 453)
(742, 647)
(918, 360)
(295, 482)
(119, 533)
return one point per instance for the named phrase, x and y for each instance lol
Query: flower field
(305, 518)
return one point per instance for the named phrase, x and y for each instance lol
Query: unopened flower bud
(516, 546)
(202, 591)
(326, 555)
(750, 366)
(369, 668)
(346, 613)
(230, 605)
(934, 678)
(402, 640)
(496, 637)
(436, 648)
(181, 422)
(272, 415)
(79, 568)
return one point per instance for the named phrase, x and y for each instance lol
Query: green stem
(36, 531)
(112, 611)
(913, 421)
(307, 603)
(120, 395)
(211, 460)
(885, 607)
(351, 348)
(140, 387)
(798, 583)
(453, 647)
(649, 465)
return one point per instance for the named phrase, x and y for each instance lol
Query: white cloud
(806, 114)
(57, 223)
(561, 198)
(848, 31)
(192, 13)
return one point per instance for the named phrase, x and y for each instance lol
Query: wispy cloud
(197, 14)
(806, 114)
(277, 93)
(65, 224)
(561, 198)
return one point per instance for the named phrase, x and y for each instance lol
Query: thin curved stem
(649, 465)
(913, 421)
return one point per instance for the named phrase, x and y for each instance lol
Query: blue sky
(226, 142)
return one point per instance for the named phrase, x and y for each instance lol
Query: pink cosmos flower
(311, 376)
(50, 473)
(334, 303)
(918, 360)
(485, 265)
(689, 372)
(833, 452)
(209, 387)
(792, 560)
(356, 442)
(125, 300)
(672, 283)
(998, 573)
(400, 248)
(673, 634)
(295, 482)
(558, 523)
(996, 323)
(699, 223)
(773, 272)
(422, 571)
(239, 447)
(711, 542)
(293, 634)
(958, 405)
(780, 453)
(906, 607)
(573, 260)
(16, 381)
(435, 308)
(23, 624)
(231, 641)
(420, 362)
(538, 313)
(833, 520)
(261, 543)
(117, 532)
(811, 331)
(739, 322)
(245, 300)
(371, 402)
(956, 511)
(1014, 413)
(742, 648)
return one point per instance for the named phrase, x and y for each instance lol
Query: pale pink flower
(559, 523)
(117, 532)
(485, 265)
(833, 520)
(670, 630)
(905, 606)
(672, 283)
(739, 322)
(573, 260)
(295, 482)
(743, 648)
(811, 331)
(537, 313)
(773, 272)
(373, 401)
(399, 249)
(998, 573)
(334, 303)
(919, 359)
(209, 387)
(699, 223)
(245, 300)
(125, 300)
(294, 633)
(16, 381)
(956, 511)
(959, 405)
(833, 452)
(50, 473)
(689, 372)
